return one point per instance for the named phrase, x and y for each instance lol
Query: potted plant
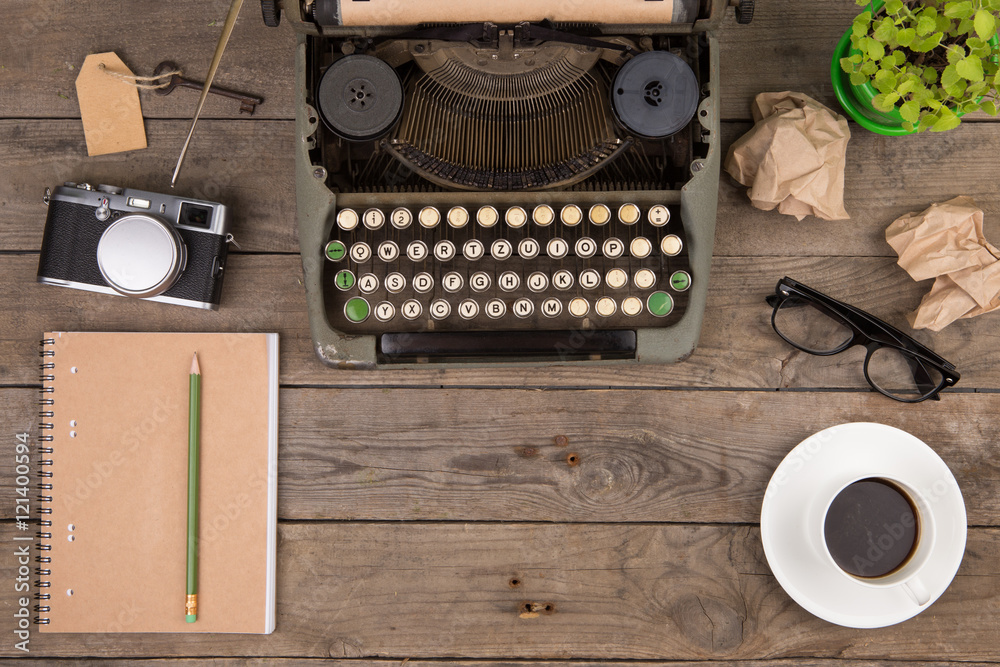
(908, 66)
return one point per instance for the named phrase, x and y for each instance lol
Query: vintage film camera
(525, 181)
(134, 243)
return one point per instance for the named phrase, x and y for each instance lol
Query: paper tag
(112, 117)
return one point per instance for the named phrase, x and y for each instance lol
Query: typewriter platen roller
(518, 182)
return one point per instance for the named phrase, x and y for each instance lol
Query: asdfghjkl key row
(515, 217)
(358, 309)
(528, 248)
(509, 281)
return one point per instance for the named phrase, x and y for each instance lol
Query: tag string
(138, 81)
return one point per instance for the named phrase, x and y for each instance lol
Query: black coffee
(871, 528)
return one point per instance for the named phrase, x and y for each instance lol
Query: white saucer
(794, 507)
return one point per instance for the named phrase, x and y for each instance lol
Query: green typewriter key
(345, 280)
(335, 251)
(357, 309)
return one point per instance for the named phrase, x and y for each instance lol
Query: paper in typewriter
(392, 12)
(119, 482)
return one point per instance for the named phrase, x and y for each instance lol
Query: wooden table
(422, 512)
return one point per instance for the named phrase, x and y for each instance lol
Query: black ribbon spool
(655, 95)
(360, 97)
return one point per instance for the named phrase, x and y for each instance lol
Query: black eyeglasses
(896, 365)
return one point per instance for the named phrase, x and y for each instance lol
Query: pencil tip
(195, 368)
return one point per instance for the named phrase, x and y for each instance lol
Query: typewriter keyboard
(454, 268)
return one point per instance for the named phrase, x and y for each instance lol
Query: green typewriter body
(477, 186)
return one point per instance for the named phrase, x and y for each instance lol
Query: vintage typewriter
(518, 182)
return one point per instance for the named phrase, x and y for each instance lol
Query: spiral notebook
(114, 516)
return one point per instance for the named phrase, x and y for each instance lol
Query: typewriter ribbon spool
(655, 95)
(360, 97)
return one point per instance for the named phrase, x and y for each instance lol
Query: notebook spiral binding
(43, 570)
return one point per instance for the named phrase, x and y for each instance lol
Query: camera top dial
(141, 256)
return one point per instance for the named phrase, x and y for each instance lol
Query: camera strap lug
(232, 239)
(47, 197)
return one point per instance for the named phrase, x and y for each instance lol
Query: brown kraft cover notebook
(119, 448)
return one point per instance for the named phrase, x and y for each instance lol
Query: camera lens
(140, 256)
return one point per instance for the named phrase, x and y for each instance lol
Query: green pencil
(194, 421)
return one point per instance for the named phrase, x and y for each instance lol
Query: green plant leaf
(930, 75)
(909, 127)
(886, 31)
(907, 87)
(947, 121)
(928, 43)
(885, 81)
(894, 6)
(955, 53)
(976, 90)
(970, 68)
(990, 107)
(910, 111)
(906, 36)
(876, 51)
(925, 25)
(858, 79)
(847, 66)
(986, 24)
(959, 10)
(950, 76)
(869, 68)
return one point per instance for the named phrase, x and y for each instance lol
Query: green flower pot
(857, 100)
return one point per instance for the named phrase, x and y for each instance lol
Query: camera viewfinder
(193, 215)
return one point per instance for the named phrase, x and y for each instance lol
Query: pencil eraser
(191, 618)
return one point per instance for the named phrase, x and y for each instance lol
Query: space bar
(502, 345)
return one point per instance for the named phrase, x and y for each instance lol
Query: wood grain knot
(526, 452)
(561, 441)
(573, 459)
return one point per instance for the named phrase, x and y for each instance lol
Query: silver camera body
(135, 243)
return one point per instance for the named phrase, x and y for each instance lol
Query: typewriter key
(590, 279)
(496, 308)
(515, 217)
(440, 309)
(480, 281)
(411, 309)
(429, 217)
(384, 311)
(395, 282)
(600, 214)
(458, 217)
(640, 247)
(585, 247)
(632, 306)
(373, 218)
(671, 245)
(523, 308)
(360, 97)
(473, 250)
(579, 307)
(347, 219)
(660, 304)
(562, 280)
(468, 309)
(557, 248)
(487, 216)
(629, 214)
(644, 279)
(453, 281)
(655, 95)
(658, 215)
(543, 215)
(616, 279)
(571, 215)
(606, 307)
(613, 248)
(401, 218)
(509, 281)
(538, 282)
(551, 307)
(528, 248)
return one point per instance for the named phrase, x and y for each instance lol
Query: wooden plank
(44, 50)
(635, 456)
(738, 348)
(248, 166)
(613, 592)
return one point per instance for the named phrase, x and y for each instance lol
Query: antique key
(248, 103)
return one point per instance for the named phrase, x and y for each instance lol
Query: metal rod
(227, 30)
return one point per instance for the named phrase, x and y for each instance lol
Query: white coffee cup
(908, 575)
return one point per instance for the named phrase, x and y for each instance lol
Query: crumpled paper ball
(793, 159)
(946, 242)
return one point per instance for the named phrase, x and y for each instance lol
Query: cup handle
(917, 591)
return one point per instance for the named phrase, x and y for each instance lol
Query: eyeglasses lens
(902, 375)
(808, 327)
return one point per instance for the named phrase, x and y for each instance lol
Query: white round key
(509, 281)
(658, 215)
(458, 217)
(487, 216)
(501, 249)
(585, 247)
(515, 217)
(347, 219)
(640, 247)
(538, 282)
(629, 214)
(388, 251)
(417, 251)
(606, 306)
(468, 309)
(361, 252)
(600, 214)
(523, 308)
(496, 308)
(644, 279)
(616, 279)
(452, 281)
(473, 250)
(401, 218)
(613, 248)
(571, 215)
(444, 251)
(578, 307)
(411, 309)
(528, 248)
(632, 306)
(429, 217)
(368, 283)
(590, 279)
(671, 245)
(373, 218)
(543, 215)
(423, 282)
(556, 248)
(440, 309)
(395, 282)
(551, 307)
(480, 281)
(384, 311)
(562, 280)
